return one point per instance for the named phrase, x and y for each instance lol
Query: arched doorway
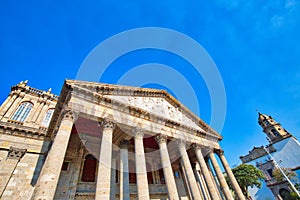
(285, 194)
(89, 169)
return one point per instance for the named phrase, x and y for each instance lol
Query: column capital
(161, 138)
(138, 132)
(181, 143)
(108, 123)
(124, 144)
(219, 152)
(197, 146)
(16, 153)
(69, 115)
(211, 153)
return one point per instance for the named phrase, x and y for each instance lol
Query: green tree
(247, 176)
(288, 172)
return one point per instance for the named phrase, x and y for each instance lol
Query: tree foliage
(248, 176)
(288, 172)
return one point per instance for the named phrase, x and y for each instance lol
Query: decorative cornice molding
(22, 131)
(23, 87)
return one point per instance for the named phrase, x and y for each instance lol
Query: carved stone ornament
(220, 152)
(108, 123)
(15, 153)
(138, 132)
(124, 144)
(161, 138)
(70, 115)
(160, 107)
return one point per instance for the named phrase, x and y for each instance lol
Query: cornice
(22, 131)
(23, 87)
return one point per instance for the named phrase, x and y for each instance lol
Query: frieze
(160, 107)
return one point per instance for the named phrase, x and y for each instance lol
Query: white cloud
(290, 3)
(277, 21)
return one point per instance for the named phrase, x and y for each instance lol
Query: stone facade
(107, 142)
(23, 143)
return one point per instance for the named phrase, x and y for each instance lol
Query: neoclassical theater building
(101, 141)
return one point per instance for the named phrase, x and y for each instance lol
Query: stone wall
(21, 160)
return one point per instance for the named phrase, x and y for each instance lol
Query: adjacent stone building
(283, 151)
(101, 141)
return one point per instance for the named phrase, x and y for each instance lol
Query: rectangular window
(65, 166)
(270, 172)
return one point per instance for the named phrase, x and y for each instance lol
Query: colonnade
(48, 180)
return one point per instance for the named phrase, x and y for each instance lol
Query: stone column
(105, 158)
(230, 175)
(167, 167)
(221, 178)
(140, 162)
(48, 179)
(37, 110)
(188, 170)
(209, 182)
(15, 102)
(113, 177)
(124, 171)
(214, 178)
(8, 104)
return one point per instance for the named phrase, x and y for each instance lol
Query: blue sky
(255, 45)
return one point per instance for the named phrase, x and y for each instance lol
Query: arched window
(267, 123)
(89, 169)
(47, 117)
(22, 112)
(275, 132)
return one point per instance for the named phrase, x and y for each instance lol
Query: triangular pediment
(152, 101)
(157, 106)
